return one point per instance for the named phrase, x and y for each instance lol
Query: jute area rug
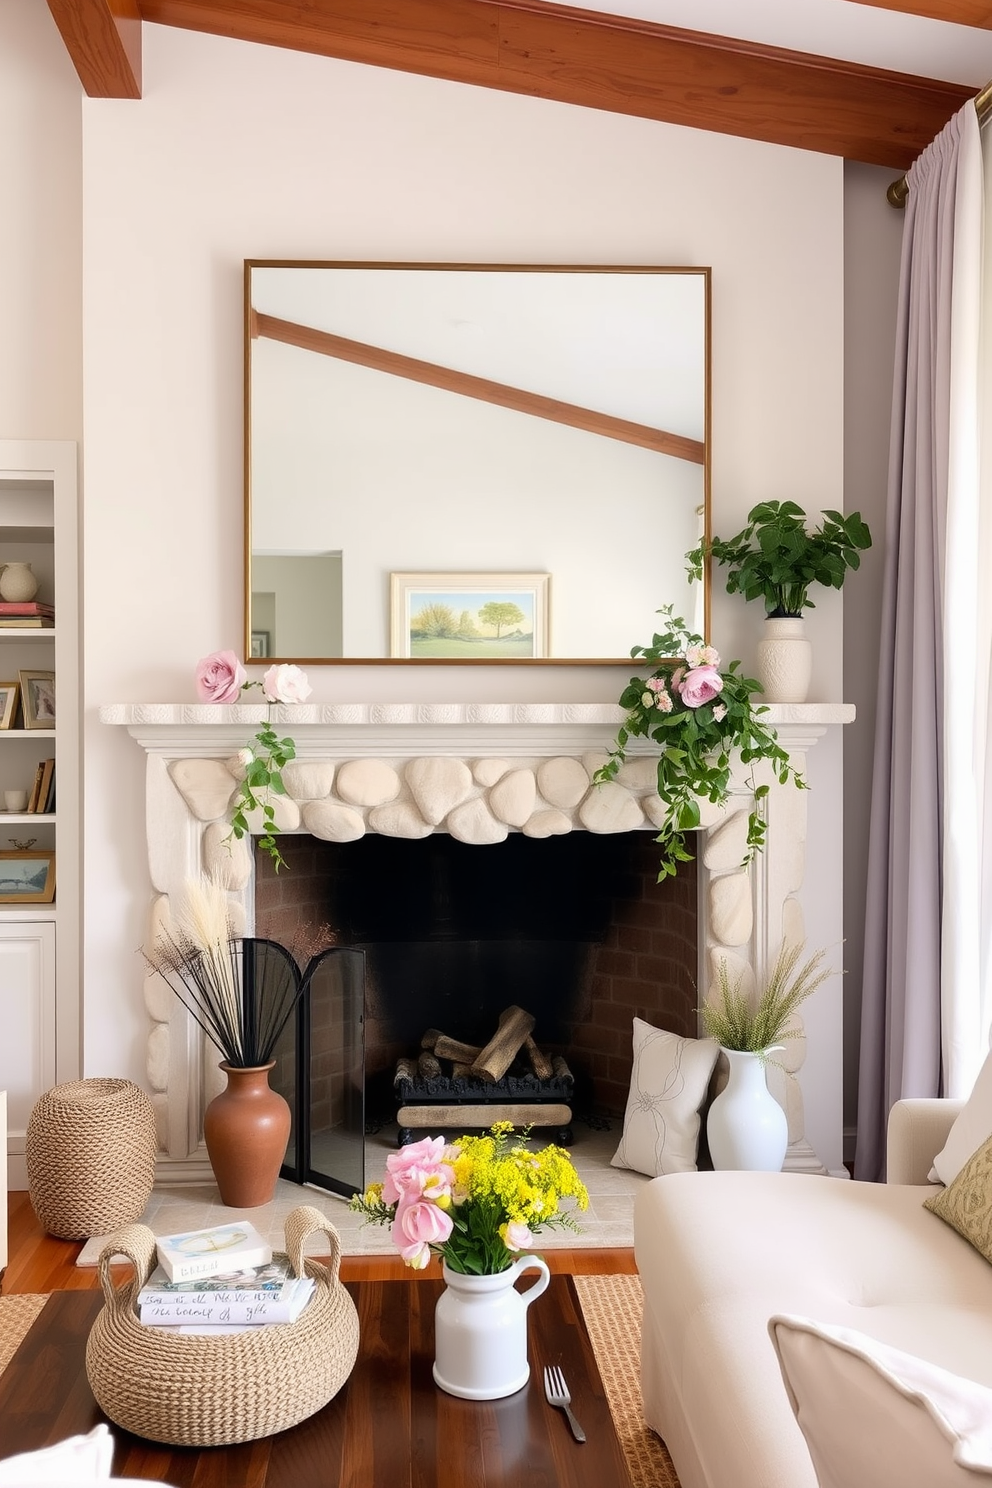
(611, 1306)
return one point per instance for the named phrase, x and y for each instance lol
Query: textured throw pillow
(668, 1085)
(874, 1417)
(966, 1204)
(971, 1126)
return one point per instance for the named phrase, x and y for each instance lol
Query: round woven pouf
(90, 1153)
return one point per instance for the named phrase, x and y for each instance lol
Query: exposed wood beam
(103, 38)
(605, 62)
(959, 12)
(468, 386)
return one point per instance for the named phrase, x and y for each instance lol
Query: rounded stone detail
(562, 781)
(549, 823)
(157, 1057)
(610, 808)
(438, 784)
(731, 912)
(475, 824)
(512, 799)
(367, 782)
(639, 774)
(399, 819)
(308, 780)
(227, 859)
(333, 822)
(285, 814)
(204, 784)
(726, 845)
(486, 772)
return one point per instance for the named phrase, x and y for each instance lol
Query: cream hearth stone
(513, 797)
(367, 783)
(474, 770)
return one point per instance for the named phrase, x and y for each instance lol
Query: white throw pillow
(78, 1459)
(875, 1417)
(972, 1126)
(668, 1085)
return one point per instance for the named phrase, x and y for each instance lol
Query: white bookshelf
(39, 942)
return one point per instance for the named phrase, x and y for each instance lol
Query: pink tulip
(219, 678)
(418, 1222)
(408, 1170)
(517, 1236)
(699, 686)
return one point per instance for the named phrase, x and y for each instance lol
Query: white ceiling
(829, 28)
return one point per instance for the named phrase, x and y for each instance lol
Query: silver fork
(557, 1394)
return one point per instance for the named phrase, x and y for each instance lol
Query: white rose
(286, 684)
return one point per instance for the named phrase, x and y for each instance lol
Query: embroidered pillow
(668, 1085)
(971, 1126)
(966, 1204)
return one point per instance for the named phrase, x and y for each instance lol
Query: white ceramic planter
(785, 660)
(746, 1128)
(480, 1331)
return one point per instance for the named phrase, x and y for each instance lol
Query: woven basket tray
(196, 1391)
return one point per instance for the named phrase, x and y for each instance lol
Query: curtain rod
(898, 191)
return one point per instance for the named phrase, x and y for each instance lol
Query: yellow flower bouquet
(475, 1202)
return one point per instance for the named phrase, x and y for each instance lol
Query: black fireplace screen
(320, 1069)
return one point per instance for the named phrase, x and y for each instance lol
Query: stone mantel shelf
(511, 727)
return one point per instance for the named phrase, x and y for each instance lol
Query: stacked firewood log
(443, 1056)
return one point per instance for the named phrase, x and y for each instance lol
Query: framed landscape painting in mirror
(480, 439)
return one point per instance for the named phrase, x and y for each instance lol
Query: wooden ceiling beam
(592, 60)
(958, 12)
(103, 38)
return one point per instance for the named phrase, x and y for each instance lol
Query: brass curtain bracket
(898, 191)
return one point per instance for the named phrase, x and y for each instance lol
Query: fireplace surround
(478, 771)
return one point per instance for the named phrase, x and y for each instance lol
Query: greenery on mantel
(699, 716)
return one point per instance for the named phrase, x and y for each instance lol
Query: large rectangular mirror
(472, 462)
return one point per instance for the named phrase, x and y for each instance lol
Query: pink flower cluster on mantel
(221, 678)
(698, 682)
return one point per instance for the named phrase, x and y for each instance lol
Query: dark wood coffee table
(389, 1427)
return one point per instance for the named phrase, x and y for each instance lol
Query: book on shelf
(27, 608)
(47, 768)
(221, 1309)
(191, 1254)
(26, 622)
(32, 805)
(47, 803)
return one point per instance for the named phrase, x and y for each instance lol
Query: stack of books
(220, 1280)
(42, 796)
(26, 615)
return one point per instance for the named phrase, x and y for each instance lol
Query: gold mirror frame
(331, 336)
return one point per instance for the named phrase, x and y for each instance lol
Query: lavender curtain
(900, 1011)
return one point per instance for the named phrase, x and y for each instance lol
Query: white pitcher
(480, 1331)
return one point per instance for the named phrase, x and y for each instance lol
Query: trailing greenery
(737, 1021)
(699, 717)
(776, 558)
(263, 764)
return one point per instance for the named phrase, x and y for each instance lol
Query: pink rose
(408, 1169)
(219, 678)
(286, 684)
(517, 1236)
(700, 686)
(419, 1222)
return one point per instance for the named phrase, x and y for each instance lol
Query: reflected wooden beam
(959, 12)
(617, 63)
(103, 38)
(469, 386)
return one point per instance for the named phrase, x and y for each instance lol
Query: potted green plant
(777, 558)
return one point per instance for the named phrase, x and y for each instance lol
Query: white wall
(239, 151)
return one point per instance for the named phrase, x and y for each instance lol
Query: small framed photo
(9, 693)
(259, 644)
(27, 877)
(38, 699)
(469, 616)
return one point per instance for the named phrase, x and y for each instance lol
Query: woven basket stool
(195, 1391)
(90, 1154)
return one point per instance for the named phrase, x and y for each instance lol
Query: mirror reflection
(472, 463)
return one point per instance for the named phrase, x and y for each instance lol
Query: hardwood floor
(39, 1263)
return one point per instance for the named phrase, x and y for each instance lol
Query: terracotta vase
(246, 1129)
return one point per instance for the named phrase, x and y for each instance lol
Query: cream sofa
(720, 1253)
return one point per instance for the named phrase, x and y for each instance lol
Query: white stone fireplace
(478, 771)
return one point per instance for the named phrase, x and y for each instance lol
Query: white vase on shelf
(785, 659)
(746, 1128)
(17, 583)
